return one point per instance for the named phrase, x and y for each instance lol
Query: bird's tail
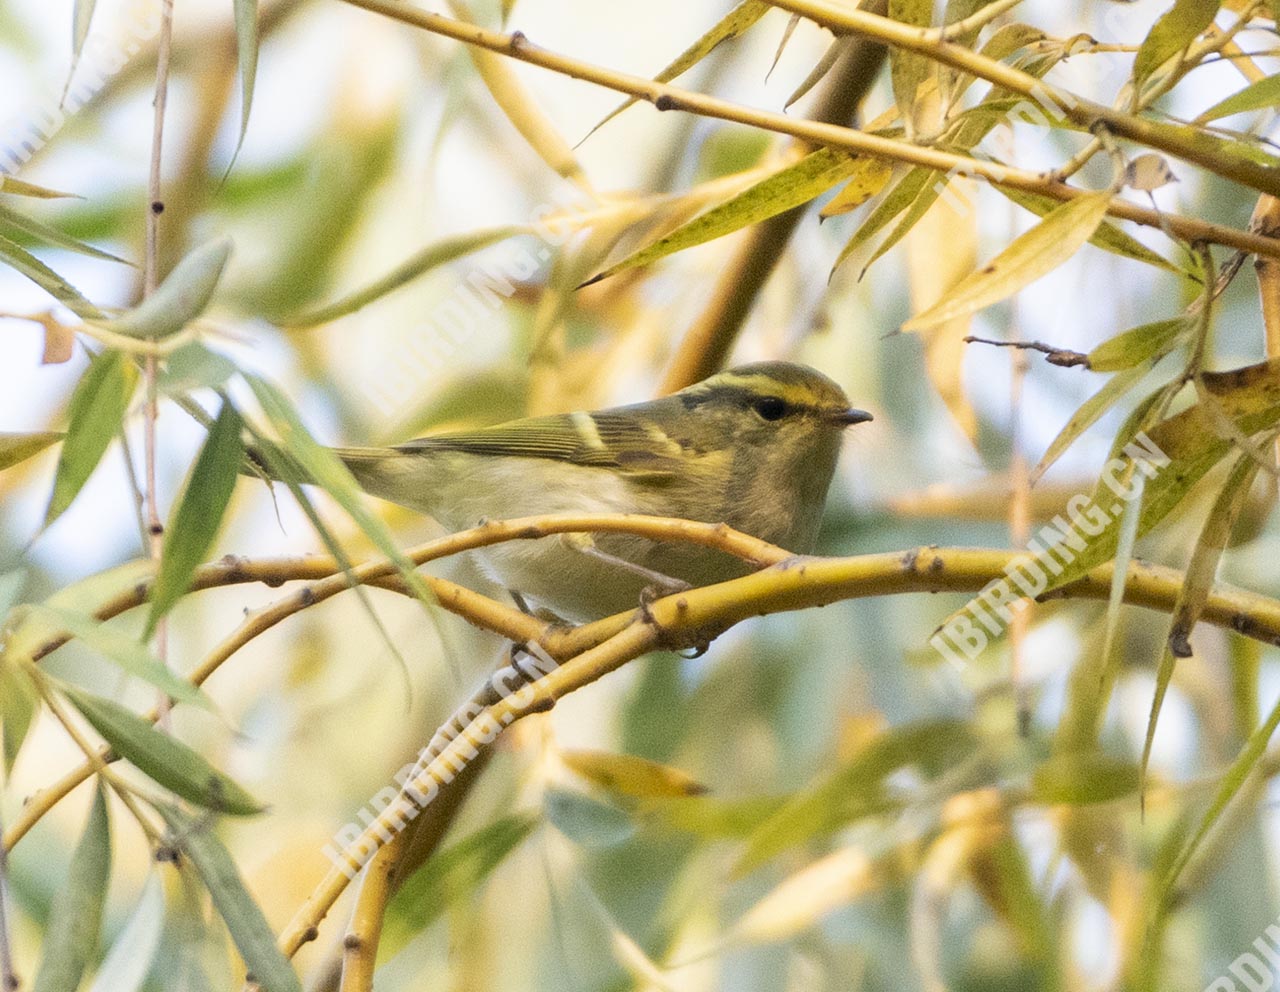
(378, 471)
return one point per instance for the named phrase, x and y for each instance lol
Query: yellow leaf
(632, 776)
(870, 176)
(1031, 255)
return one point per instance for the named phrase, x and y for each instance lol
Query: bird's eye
(770, 407)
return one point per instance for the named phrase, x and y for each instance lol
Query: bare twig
(1054, 356)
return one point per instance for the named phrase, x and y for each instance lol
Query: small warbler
(754, 447)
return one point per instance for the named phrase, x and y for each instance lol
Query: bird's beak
(847, 417)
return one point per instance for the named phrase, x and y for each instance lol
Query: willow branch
(667, 97)
(694, 617)
(364, 932)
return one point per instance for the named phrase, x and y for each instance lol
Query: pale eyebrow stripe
(585, 425)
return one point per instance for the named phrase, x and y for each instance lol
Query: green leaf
(81, 18)
(168, 761)
(18, 258)
(416, 265)
(453, 874)
(51, 235)
(1256, 96)
(909, 69)
(119, 648)
(1231, 782)
(730, 26)
(1030, 256)
(1108, 237)
(1249, 397)
(586, 821)
(126, 965)
(19, 703)
(1084, 418)
(15, 448)
(856, 789)
(629, 775)
(195, 523)
(1177, 28)
(246, 17)
(1194, 592)
(75, 920)
(1140, 344)
(323, 468)
(905, 192)
(249, 929)
(1081, 778)
(192, 367)
(180, 299)
(95, 414)
(789, 187)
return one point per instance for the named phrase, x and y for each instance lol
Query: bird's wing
(606, 440)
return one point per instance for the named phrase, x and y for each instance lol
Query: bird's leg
(661, 584)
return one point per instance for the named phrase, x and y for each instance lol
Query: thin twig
(1064, 357)
(150, 279)
(8, 975)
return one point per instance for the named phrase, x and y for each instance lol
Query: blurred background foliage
(841, 808)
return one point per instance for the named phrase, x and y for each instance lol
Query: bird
(754, 447)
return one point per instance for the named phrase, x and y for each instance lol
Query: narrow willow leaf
(123, 651)
(17, 257)
(88, 596)
(1108, 237)
(789, 187)
(453, 874)
(1084, 418)
(253, 937)
(1141, 344)
(195, 524)
(323, 468)
(51, 235)
(1030, 256)
(909, 69)
(1107, 662)
(714, 818)
(730, 26)
(1194, 592)
(81, 19)
(870, 177)
(179, 768)
(900, 198)
(1249, 396)
(1177, 28)
(1256, 96)
(180, 299)
(192, 367)
(416, 265)
(1230, 784)
(925, 199)
(75, 920)
(19, 703)
(126, 965)
(95, 414)
(280, 465)
(246, 17)
(782, 43)
(1081, 778)
(14, 185)
(629, 775)
(855, 790)
(802, 899)
(15, 448)
(588, 822)
(823, 66)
